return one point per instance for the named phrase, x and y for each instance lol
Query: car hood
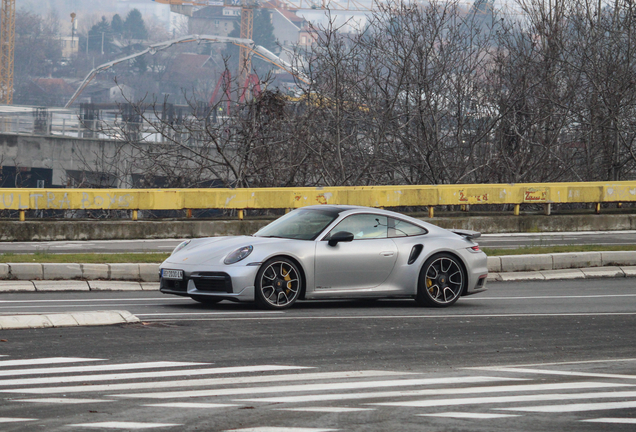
(213, 250)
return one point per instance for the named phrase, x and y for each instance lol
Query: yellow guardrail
(288, 198)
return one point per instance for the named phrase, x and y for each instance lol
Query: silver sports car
(328, 252)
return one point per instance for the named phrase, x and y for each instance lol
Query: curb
(75, 319)
(564, 274)
(8, 286)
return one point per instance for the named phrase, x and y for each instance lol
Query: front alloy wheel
(442, 281)
(278, 284)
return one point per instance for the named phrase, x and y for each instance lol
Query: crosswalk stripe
(468, 415)
(107, 367)
(124, 425)
(191, 405)
(62, 400)
(612, 420)
(326, 409)
(15, 419)
(554, 372)
(507, 399)
(281, 429)
(438, 392)
(142, 375)
(204, 382)
(28, 362)
(280, 389)
(574, 407)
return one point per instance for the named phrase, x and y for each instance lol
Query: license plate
(172, 274)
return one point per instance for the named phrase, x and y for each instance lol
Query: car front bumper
(232, 282)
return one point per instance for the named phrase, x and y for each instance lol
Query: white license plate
(172, 274)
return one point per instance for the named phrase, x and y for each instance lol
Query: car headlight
(238, 255)
(180, 246)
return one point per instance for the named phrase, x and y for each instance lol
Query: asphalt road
(505, 241)
(534, 356)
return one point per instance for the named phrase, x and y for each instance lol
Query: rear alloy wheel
(278, 284)
(442, 281)
(206, 299)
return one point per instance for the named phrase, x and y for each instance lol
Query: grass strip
(84, 258)
(557, 249)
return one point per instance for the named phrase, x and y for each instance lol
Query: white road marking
(15, 419)
(507, 399)
(191, 405)
(548, 297)
(566, 373)
(612, 420)
(468, 415)
(111, 367)
(376, 317)
(212, 313)
(163, 299)
(279, 389)
(553, 364)
(62, 400)
(124, 425)
(435, 392)
(205, 382)
(574, 407)
(326, 409)
(28, 362)
(281, 429)
(142, 375)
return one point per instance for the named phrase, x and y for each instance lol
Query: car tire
(278, 283)
(442, 281)
(206, 299)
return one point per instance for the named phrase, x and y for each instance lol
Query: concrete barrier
(521, 263)
(53, 271)
(26, 271)
(577, 260)
(145, 229)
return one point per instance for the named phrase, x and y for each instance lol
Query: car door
(363, 263)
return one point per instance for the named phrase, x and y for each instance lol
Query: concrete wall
(41, 230)
(56, 153)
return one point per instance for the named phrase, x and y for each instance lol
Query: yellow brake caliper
(288, 279)
(429, 284)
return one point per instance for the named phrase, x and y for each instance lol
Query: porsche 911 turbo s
(330, 252)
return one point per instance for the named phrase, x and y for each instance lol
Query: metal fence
(290, 198)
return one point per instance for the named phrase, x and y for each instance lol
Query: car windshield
(299, 224)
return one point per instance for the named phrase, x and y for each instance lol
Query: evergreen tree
(117, 25)
(134, 27)
(95, 35)
(264, 30)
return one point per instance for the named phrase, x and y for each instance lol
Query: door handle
(387, 253)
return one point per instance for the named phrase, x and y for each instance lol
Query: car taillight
(474, 249)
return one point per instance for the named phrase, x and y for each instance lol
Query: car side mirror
(340, 236)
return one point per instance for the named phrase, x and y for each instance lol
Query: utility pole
(7, 45)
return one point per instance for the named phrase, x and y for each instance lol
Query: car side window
(399, 228)
(363, 226)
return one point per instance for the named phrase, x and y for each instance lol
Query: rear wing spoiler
(470, 235)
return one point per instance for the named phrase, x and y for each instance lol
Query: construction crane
(247, 18)
(7, 46)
